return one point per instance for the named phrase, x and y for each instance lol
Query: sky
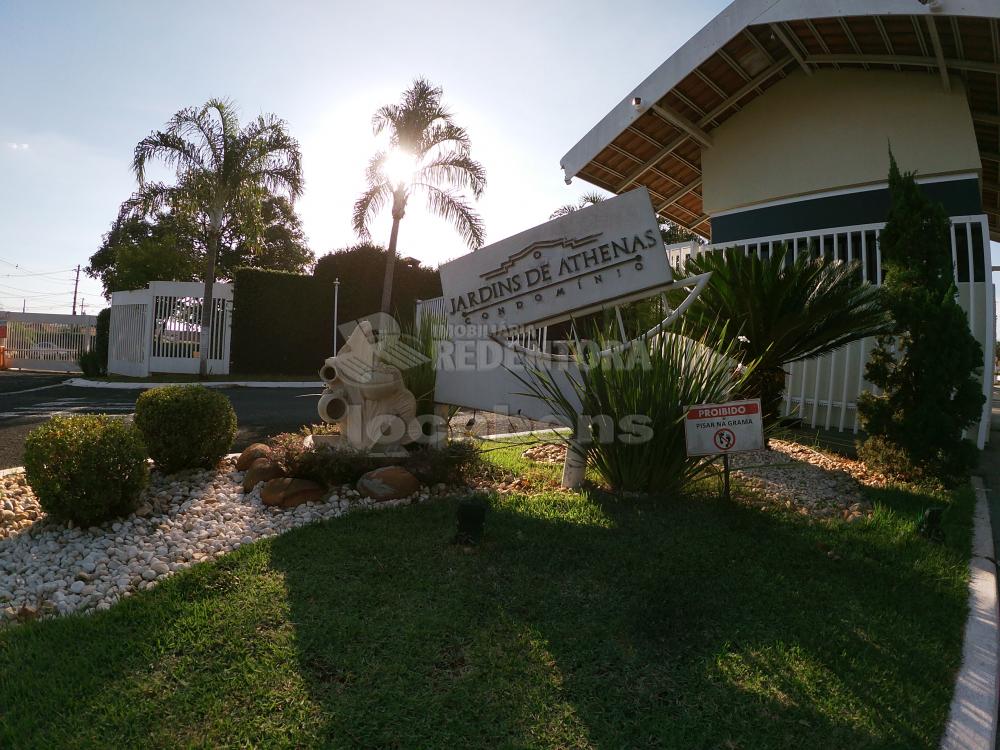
(83, 82)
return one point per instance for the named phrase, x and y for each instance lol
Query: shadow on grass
(576, 623)
(624, 624)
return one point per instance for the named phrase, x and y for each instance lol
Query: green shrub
(333, 467)
(185, 427)
(637, 403)
(90, 363)
(102, 338)
(453, 463)
(86, 469)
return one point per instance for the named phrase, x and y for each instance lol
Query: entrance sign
(597, 257)
(733, 427)
(601, 255)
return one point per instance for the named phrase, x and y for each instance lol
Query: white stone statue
(365, 397)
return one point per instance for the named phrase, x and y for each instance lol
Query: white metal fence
(158, 329)
(823, 391)
(42, 341)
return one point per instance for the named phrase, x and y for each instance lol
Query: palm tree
(778, 311)
(222, 170)
(428, 153)
(587, 199)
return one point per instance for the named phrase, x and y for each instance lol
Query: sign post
(721, 429)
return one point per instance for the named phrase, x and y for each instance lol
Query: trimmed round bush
(86, 469)
(185, 426)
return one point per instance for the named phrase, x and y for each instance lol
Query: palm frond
(368, 205)
(151, 198)
(444, 132)
(451, 206)
(169, 148)
(456, 169)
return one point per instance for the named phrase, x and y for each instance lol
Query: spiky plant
(423, 131)
(221, 170)
(776, 311)
(638, 400)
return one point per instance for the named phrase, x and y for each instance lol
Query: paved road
(28, 399)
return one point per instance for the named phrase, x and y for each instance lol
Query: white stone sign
(587, 260)
(715, 429)
(600, 256)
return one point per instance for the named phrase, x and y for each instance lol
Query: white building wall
(832, 130)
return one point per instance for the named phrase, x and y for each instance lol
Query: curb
(546, 431)
(84, 383)
(972, 719)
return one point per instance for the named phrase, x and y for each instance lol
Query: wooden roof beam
(985, 118)
(915, 60)
(680, 121)
(791, 47)
(938, 52)
(670, 147)
(671, 200)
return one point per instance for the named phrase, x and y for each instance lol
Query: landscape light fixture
(471, 518)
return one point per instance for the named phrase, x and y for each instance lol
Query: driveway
(28, 399)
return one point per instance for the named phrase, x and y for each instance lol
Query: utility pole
(75, 285)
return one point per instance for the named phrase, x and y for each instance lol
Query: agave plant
(423, 335)
(650, 385)
(776, 311)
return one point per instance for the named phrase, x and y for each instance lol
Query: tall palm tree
(777, 311)
(222, 170)
(423, 135)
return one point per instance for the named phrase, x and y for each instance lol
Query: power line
(40, 273)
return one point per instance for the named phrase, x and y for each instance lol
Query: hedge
(102, 337)
(361, 270)
(282, 322)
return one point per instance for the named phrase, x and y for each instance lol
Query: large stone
(388, 483)
(261, 470)
(251, 454)
(287, 492)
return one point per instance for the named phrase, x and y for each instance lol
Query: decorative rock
(288, 492)
(48, 569)
(261, 470)
(251, 454)
(388, 483)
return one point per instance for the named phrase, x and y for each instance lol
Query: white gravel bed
(790, 475)
(49, 568)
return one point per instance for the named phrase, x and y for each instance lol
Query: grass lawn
(580, 622)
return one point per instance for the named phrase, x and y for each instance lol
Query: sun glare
(399, 166)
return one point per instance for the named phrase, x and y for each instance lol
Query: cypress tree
(926, 367)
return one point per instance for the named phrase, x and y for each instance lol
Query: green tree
(777, 312)
(222, 170)
(141, 249)
(429, 154)
(926, 365)
(271, 239)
